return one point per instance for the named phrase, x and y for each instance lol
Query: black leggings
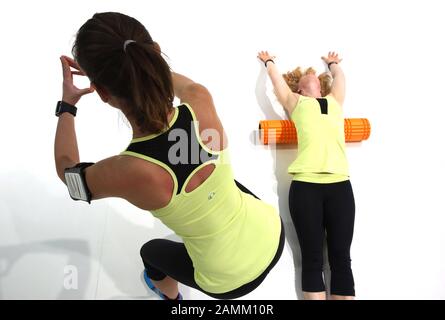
(317, 209)
(168, 258)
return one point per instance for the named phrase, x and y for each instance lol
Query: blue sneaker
(156, 290)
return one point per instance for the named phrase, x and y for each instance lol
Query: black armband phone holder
(76, 182)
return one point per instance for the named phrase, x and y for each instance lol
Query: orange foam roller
(284, 131)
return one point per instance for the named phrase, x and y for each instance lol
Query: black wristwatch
(65, 107)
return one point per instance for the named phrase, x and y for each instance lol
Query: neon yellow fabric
(320, 177)
(230, 236)
(321, 142)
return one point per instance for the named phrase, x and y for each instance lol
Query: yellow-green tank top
(230, 236)
(321, 142)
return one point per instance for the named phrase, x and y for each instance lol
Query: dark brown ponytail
(139, 75)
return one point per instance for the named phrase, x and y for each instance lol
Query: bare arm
(286, 97)
(66, 152)
(202, 103)
(338, 83)
(182, 85)
(191, 92)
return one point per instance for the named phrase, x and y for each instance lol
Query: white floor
(54, 248)
(47, 242)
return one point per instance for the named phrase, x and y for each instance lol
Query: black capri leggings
(168, 258)
(317, 209)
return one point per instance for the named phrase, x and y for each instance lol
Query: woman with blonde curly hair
(293, 78)
(321, 199)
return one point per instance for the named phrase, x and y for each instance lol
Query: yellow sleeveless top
(230, 236)
(321, 142)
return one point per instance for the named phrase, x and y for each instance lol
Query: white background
(394, 62)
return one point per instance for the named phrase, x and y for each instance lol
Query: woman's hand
(72, 94)
(264, 56)
(332, 57)
(338, 82)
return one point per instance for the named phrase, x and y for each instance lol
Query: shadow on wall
(70, 233)
(283, 155)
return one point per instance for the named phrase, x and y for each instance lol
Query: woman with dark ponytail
(176, 165)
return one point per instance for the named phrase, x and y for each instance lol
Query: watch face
(65, 107)
(59, 105)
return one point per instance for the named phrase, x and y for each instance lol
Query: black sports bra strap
(180, 150)
(323, 102)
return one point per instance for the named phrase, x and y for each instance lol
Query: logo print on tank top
(211, 195)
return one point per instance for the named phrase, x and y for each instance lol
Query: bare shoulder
(199, 98)
(292, 103)
(108, 177)
(145, 184)
(135, 180)
(333, 97)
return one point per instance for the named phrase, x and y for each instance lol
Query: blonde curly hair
(292, 79)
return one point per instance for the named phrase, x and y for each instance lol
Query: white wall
(394, 61)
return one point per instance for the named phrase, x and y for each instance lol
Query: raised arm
(202, 104)
(338, 83)
(286, 97)
(184, 86)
